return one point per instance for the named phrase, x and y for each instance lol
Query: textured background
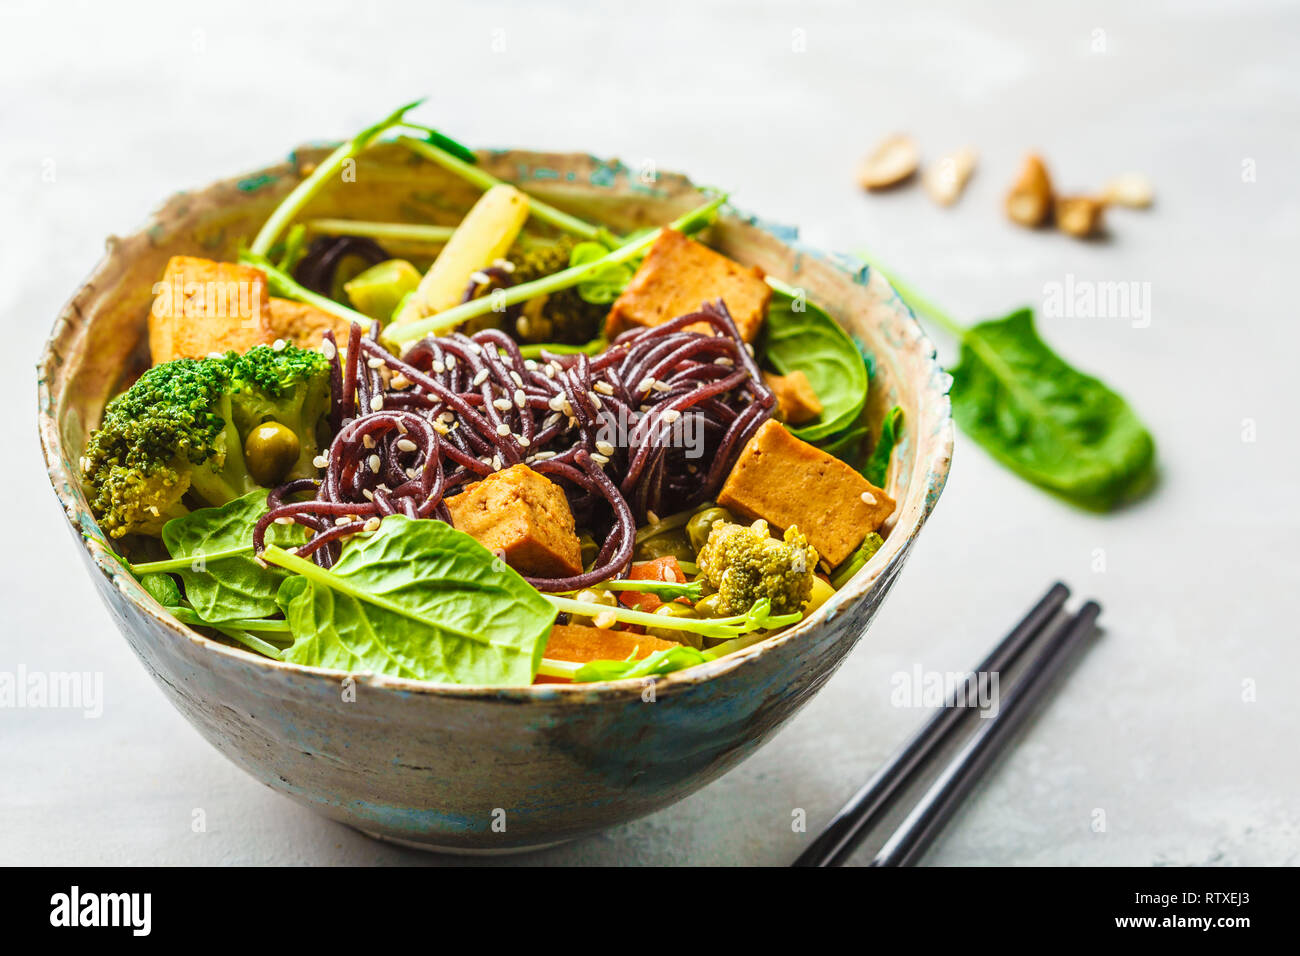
(102, 114)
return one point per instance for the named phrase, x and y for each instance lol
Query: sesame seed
(605, 388)
(723, 360)
(375, 362)
(375, 463)
(400, 381)
(868, 498)
(412, 473)
(341, 520)
(523, 442)
(604, 447)
(481, 377)
(520, 398)
(503, 429)
(376, 403)
(372, 524)
(599, 458)
(284, 519)
(517, 379)
(328, 349)
(550, 371)
(279, 344)
(438, 367)
(530, 365)
(661, 387)
(651, 517)
(595, 399)
(481, 278)
(555, 403)
(405, 444)
(448, 417)
(502, 404)
(320, 461)
(496, 462)
(367, 494)
(672, 415)
(645, 385)
(450, 362)
(367, 441)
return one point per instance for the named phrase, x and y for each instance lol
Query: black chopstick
(913, 836)
(844, 833)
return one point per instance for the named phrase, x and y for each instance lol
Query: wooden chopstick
(834, 844)
(914, 835)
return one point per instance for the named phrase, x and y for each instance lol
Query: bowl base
(459, 850)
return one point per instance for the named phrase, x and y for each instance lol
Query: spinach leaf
(1047, 421)
(236, 586)
(799, 336)
(877, 466)
(416, 599)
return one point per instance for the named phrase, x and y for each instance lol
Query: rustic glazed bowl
(480, 768)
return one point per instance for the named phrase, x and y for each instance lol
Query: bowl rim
(933, 472)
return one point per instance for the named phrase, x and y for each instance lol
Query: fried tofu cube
(304, 324)
(524, 517)
(572, 642)
(678, 276)
(202, 306)
(786, 481)
(795, 398)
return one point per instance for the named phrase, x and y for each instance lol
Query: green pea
(270, 451)
(670, 543)
(702, 523)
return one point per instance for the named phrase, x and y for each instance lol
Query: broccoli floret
(177, 434)
(563, 316)
(745, 564)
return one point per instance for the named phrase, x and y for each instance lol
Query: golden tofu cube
(524, 517)
(795, 398)
(677, 276)
(786, 481)
(304, 325)
(202, 306)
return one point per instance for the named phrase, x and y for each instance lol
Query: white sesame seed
(503, 429)
(868, 498)
(284, 519)
(438, 367)
(448, 417)
(523, 442)
(376, 403)
(400, 381)
(599, 458)
(405, 444)
(341, 520)
(375, 463)
(645, 385)
(501, 404)
(517, 379)
(723, 360)
(530, 365)
(496, 462)
(672, 415)
(604, 447)
(555, 402)
(279, 345)
(450, 362)
(328, 349)
(520, 398)
(551, 420)
(595, 399)
(367, 494)
(372, 524)
(412, 473)
(550, 371)
(320, 461)
(481, 377)
(651, 517)
(375, 362)
(367, 441)
(661, 386)
(604, 388)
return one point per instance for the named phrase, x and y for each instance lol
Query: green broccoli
(746, 564)
(178, 433)
(562, 317)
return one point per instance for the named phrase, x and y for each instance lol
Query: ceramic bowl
(481, 768)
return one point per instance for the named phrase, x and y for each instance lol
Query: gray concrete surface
(1173, 742)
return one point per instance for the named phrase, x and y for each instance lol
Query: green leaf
(660, 662)
(233, 587)
(606, 282)
(799, 336)
(1047, 421)
(416, 599)
(162, 588)
(877, 466)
